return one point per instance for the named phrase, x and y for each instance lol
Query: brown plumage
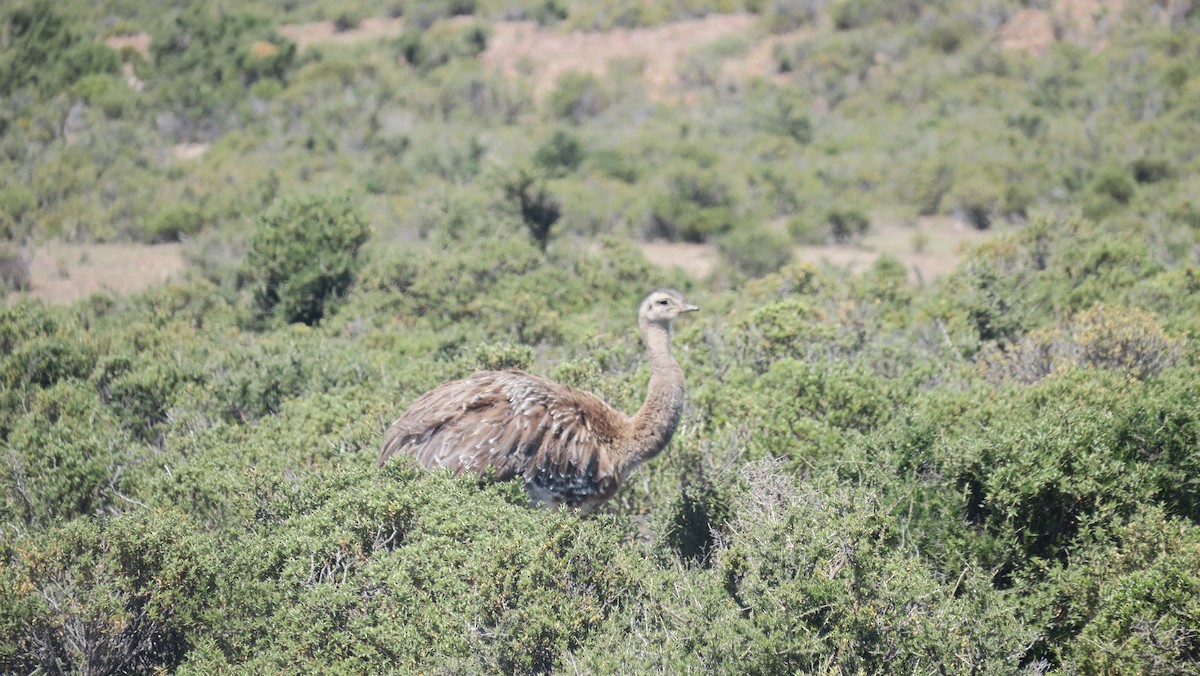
(568, 446)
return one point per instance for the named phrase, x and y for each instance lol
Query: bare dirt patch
(1082, 22)
(1031, 30)
(64, 273)
(760, 60)
(697, 260)
(325, 32)
(929, 248)
(189, 151)
(525, 49)
(139, 42)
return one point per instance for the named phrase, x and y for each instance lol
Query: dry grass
(63, 273)
(325, 32)
(697, 260)
(189, 151)
(942, 243)
(525, 49)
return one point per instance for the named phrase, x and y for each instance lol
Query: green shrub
(804, 229)
(614, 14)
(203, 61)
(541, 605)
(1185, 212)
(756, 252)
(785, 16)
(43, 53)
(175, 223)
(697, 520)
(1096, 267)
(886, 281)
(105, 91)
(1162, 431)
(142, 395)
(17, 207)
(411, 48)
(302, 256)
(560, 155)
(577, 97)
(819, 585)
(1151, 169)
(615, 164)
(425, 13)
(438, 45)
(251, 383)
(795, 395)
(976, 200)
(846, 225)
(1099, 206)
(781, 112)
(927, 185)
(538, 209)
(703, 65)
(1115, 184)
(947, 37)
(1122, 339)
(1127, 601)
(106, 596)
(15, 271)
(42, 361)
(63, 460)
(504, 289)
(786, 325)
(1033, 473)
(550, 12)
(853, 14)
(503, 356)
(697, 205)
(346, 20)
(1014, 284)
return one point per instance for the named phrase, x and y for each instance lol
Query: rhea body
(568, 446)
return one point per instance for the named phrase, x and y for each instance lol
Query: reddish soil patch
(324, 32)
(1029, 29)
(1082, 22)
(523, 48)
(760, 61)
(64, 273)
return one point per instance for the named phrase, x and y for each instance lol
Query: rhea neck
(655, 423)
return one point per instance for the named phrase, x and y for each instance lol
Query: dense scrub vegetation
(995, 473)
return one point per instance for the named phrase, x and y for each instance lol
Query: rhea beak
(689, 308)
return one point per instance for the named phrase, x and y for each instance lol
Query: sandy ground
(525, 49)
(930, 248)
(324, 32)
(64, 273)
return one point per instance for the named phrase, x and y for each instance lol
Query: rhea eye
(662, 302)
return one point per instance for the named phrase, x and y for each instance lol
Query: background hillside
(942, 412)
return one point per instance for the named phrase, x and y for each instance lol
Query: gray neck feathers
(655, 423)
